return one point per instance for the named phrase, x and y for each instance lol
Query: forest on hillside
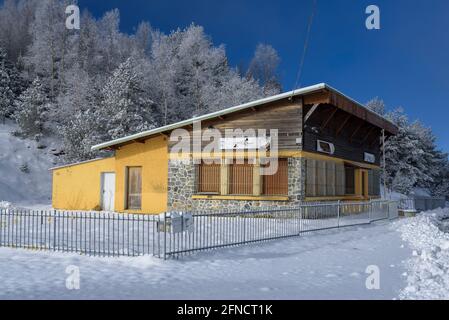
(96, 84)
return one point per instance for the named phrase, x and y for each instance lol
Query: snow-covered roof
(301, 91)
(77, 163)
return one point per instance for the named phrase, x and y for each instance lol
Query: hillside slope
(24, 174)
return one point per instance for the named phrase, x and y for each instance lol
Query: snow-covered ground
(411, 254)
(428, 268)
(324, 265)
(24, 176)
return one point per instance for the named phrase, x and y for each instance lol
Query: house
(322, 144)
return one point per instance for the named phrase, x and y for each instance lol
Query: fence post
(165, 235)
(338, 214)
(54, 230)
(370, 211)
(244, 229)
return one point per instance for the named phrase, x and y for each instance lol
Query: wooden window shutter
(241, 178)
(208, 178)
(277, 184)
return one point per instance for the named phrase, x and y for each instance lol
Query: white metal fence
(171, 234)
(208, 230)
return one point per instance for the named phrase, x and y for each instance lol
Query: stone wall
(181, 187)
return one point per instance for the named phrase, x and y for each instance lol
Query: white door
(107, 191)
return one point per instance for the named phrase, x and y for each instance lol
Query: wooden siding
(340, 131)
(285, 116)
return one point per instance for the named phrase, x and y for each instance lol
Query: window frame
(127, 194)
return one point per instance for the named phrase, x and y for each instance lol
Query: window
(349, 180)
(276, 184)
(241, 178)
(369, 157)
(134, 188)
(324, 178)
(374, 183)
(208, 178)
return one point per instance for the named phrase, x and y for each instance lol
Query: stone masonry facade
(181, 188)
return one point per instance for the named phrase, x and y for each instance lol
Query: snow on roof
(77, 163)
(219, 113)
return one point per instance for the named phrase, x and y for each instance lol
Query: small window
(208, 178)
(276, 184)
(134, 188)
(325, 147)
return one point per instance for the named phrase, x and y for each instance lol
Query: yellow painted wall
(77, 187)
(152, 156)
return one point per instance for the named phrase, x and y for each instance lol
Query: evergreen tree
(31, 111)
(124, 109)
(263, 68)
(377, 105)
(6, 94)
(78, 136)
(11, 85)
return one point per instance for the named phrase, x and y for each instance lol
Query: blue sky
(405, 63)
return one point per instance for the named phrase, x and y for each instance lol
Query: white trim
(320, 149)
(190, 121)
(77, 163)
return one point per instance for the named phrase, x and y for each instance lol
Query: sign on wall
(369, 157)
(242, 143)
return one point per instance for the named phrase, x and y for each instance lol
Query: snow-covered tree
(78, 136)
(412, 157)
(263, 68)
(124, 109)
(51, 50)
(377, 105)
(6, 94)
(144, 38)
(16, 17)
(31, 110)
(11, 85)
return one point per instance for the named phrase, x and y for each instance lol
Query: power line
(306, 45)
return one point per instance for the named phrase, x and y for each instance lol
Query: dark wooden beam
(368, 134)
(311, 111)
(325, 122)
(376, 138)
(356, 130)
(139, 141)
(343, 124)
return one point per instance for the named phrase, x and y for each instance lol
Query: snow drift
(428, 269)
(24, 164)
